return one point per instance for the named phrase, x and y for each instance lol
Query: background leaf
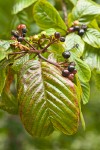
(84, 72)
(92, 57)
(92, 37)
(85, 11)
(46, 16)
(47, 100)
(21, 4)
(86, 92)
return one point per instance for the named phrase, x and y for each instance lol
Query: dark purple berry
(76, 28)
(14, 34)
(24, 34)
(71, 76)
(84, 27)
(71, 29)
(57, 35)
(65, 73)
(20, 39)
(24, 30)
(81, 32)
(71, 68)
(62, 39)
(66, 54)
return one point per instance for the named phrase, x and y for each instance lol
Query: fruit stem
(49, 61)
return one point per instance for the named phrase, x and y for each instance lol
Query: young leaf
(46, 16)
(73, 39)
(84, 72)
(85, 10)
(85, 92)
(21, 4)
(47, 100)
(92, 37)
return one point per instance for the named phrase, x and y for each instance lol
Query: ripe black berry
(20, 39)
(71, 68)
(81, 32)
(24, 30)
(76, 28)
(66, 54)
(57, 35)
(71, 29)
(84, 27)
(62, 39)
(65, 73)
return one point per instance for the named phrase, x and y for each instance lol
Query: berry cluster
(20, 33)
(80, 29)
(70, 70)
(58, 36)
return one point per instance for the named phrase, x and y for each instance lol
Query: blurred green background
(12, 134)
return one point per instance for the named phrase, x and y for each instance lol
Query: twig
(49, 61)
(64, 8)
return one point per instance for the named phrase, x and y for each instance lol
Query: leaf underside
(46, 100)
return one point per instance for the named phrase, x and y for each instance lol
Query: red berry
(71, 76)
(71, 29)
(21, 26)
(75, 71)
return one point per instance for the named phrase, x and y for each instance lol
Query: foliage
(45, 100)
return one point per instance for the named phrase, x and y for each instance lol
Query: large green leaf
(92, 37)
(47, 101)
(85, 92)
(21, 4)
(46, 16)
(85, 10)
(84, 72)
(73, 39)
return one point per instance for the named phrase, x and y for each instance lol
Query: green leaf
(21, 4)
(92, 57)
(84, 72)
(73, 39)
(2, 53)
(19, 62)
(2, 78)
(46, 16)
(47, 101)
(72, 1)
(94, 24)
(85, 92)
(57, 49)
(82, 120)
(85, 11)
(92, 37)
(8, 101)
